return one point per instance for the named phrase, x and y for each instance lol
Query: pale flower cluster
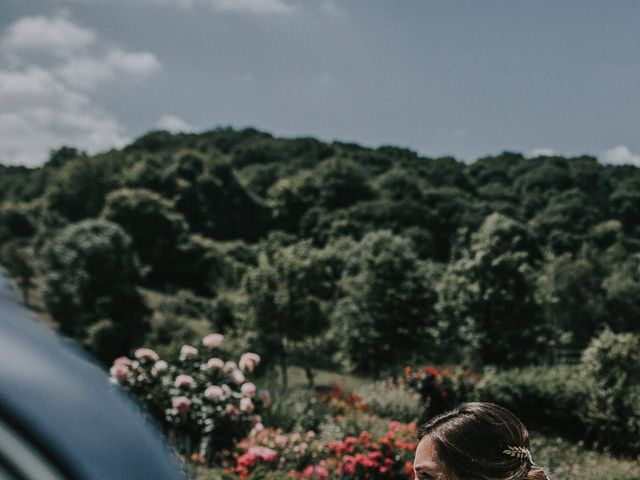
(200, 391)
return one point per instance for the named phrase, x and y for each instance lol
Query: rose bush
(307, 457)
(203, 403)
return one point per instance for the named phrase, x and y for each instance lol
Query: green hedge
(542, 397)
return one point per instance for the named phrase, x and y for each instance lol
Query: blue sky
(461, 78)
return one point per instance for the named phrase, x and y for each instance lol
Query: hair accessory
(519, 452)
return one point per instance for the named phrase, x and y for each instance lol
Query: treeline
(326, 254)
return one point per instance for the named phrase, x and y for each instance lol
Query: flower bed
(304, 456)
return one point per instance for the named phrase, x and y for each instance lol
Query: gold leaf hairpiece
(519, 452)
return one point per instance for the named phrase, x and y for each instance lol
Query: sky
(460, 78)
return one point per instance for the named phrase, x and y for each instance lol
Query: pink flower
(146, 354)
(181, 404)
(187, 351)
(249, 361)
(214, 393)
(119, 371)
(280, 440)
(122, 360)
(230, 366)
(231, 409)
(186, 381)
(315, 472)
(226, 389)
(159, 366)
(216, 363)
(264, 453)
(246, 405)
(213, 340)
(265, 396)
(257, 428)
(248, 389)
(237, 377)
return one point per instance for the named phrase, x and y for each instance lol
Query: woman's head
(475, 441)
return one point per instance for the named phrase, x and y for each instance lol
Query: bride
(476, 441)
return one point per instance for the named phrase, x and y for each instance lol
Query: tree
(78, 189)
(573, 300)
(284, 311)
(487, 296)
(89, 272)
(156, 229)
(386, 313)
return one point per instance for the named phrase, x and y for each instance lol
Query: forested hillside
(336, 254)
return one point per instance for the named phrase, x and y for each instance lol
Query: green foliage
(78, 190)
(283, 309)
(88, 274)
(391, 402)
(487, 297)
(15, 222)
(573, 299)
(386, 313)
(542, 397)
(156, 229)
(609, 371)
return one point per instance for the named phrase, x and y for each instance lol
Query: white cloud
(57, 36)
(174, 124)
(41, 113)
(620, 155)
(44, 98)
(252, 6)
(86, 71)
(542, 152)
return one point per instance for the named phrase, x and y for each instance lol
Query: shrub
(353, 457)
(203, 403)
(540, 396)
(392, 401)
(611, 375)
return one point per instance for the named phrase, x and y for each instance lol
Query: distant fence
(566, 356)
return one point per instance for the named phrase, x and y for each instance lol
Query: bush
(351, 457)
(611, 374)
(391, 401)
(539, 396)
(203, 404)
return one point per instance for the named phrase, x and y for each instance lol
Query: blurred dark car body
(60, 417)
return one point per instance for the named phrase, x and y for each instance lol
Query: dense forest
(325, 253)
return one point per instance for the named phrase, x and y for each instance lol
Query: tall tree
(386, 314)
(487, 296)
(89, 272)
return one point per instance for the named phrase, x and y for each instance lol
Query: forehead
(427, 457)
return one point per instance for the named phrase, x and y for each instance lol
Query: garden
(223, 426)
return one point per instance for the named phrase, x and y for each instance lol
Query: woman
(476, 441)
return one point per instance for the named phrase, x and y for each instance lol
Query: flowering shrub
(203, 403)
(341, 401)
(435, 387)
(306, 457)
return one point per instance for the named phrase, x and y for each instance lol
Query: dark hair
(470, 440)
